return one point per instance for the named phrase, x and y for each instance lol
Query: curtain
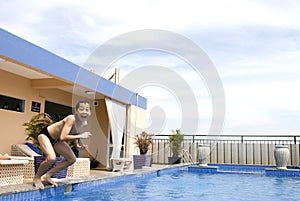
(117, 121)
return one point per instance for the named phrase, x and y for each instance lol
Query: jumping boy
(53, 139)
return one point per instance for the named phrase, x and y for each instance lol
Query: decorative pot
(203, 154)
(142, 160)
(281, 154)
(174, 160)
(39, 159)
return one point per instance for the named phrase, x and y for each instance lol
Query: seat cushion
(34, 148)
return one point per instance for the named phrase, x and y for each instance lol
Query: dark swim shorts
(45, 132)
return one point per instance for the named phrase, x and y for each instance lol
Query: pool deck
(27, 185)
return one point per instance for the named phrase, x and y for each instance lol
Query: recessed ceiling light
(90, 92)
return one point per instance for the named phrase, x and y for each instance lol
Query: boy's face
(84, 111)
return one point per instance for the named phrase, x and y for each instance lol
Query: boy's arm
(65, 133)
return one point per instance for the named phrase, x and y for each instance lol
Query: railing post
(295, 140)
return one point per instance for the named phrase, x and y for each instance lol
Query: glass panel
(57, 111)
(10, 103)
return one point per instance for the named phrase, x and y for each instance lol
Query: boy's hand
(82, 147)
(85, 135)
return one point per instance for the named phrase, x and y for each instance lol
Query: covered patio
(31, 77)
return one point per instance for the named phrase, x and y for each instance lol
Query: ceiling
(21, 70)
(42, 80)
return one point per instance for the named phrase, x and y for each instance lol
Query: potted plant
(35, 125)
(32, 130)
(143, 141)
(175, 141)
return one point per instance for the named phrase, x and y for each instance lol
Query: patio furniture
(80, 168)
(59, 175)
(21, 150)
(28, 167)
(12, 171)
(121, 164)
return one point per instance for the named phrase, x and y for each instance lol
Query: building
(34, 80)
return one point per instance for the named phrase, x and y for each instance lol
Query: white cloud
(254, 45)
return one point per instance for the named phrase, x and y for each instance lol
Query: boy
(53, 139)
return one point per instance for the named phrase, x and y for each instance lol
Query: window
(10, 103)
(57, 111)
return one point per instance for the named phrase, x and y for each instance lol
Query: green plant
(176, 140)
(35, 125)
(143, 141)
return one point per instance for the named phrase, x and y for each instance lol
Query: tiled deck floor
(94, 175)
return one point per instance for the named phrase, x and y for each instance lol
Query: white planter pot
(281, 154)
(203, 154)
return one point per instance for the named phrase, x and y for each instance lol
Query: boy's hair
(84, 102)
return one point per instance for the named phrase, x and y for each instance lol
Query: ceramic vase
(281, 154)
(203, 154)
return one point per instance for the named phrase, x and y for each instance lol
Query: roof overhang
(47, 70)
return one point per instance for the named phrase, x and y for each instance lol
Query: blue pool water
(183, 185)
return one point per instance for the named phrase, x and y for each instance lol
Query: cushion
(27, 150)
(13, 162)
(34, 148)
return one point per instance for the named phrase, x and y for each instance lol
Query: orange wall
(11, 129)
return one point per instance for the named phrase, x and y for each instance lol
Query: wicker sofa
(12, 171)
(80, 168)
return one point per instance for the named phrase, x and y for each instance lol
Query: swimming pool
(224, 182)
(190, 185)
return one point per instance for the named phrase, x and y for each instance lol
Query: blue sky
(254, 45)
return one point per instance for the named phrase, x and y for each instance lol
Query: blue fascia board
(20, 50)
(142, 102)
(29, 54)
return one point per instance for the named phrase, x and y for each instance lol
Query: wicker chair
(80, 168)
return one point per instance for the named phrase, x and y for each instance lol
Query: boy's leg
(63, 149)
(50, 158)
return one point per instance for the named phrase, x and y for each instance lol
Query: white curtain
(117, 121)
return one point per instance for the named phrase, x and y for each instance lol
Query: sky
(254, 46)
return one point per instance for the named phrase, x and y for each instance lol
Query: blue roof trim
(142, 102)
(20, 50)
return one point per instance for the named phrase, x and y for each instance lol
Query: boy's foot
(49, 180)
(37, 182)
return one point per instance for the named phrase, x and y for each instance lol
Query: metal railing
(231, 149)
